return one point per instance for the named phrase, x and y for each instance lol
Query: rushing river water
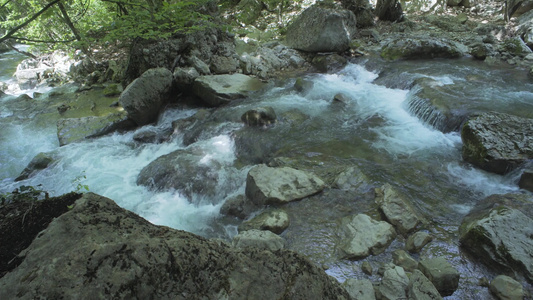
(374, 132)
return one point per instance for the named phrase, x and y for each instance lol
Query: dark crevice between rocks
(21, 221)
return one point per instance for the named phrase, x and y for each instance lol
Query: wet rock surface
(97, 244)
(497, 142)
(441, 273)
(216, 90)
(396, 208)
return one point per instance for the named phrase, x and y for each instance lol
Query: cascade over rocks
(421, 48)
(498, 233)
(319, 29)
(99, 249)
(362, 236)
(497, 142)
(216, 90)
(266, 185)
(145, 96)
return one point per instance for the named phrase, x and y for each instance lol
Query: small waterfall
(426, 112)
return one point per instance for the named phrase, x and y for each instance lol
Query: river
(374, 131)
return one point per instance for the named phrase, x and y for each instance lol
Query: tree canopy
(53, 24)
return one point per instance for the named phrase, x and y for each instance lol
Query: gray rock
(199, 65)
(216, 90)
(526, 180)
(420, 288)
(275, 220)
(420, 48)
(389, 10)
(394, 284)
(360, 289)
(515, 46)
(500, 237)
(351, 178)
(453, 2)
(319, 29)
(184, 77)
(329, 63)
(366, 267)
(362, 236)
(441, 273)
(497, 142)
(515, 8)
(404, 260)
(261, 116)
(238, 206)
(417, 241)
(146, 95)
(506, 288)
(185, 170)
(99, 249)
(396, 208)
(262, 239)
(362, 11)
(40, 162)
(303, 85)
(265, 185)
(223, 64)
(71, 130)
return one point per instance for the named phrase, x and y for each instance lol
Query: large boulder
(396, 208)
(498, 233)
(100, 250)
(506, 288)
(265, 185)
(319, 29)
(421, 48)
(389, 10)
(515, 8)
(216, 90)
(71, 130)
(362, 11)
(497, 142)
(362, 236)
(146, 95)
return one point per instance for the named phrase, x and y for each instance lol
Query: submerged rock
(319, 29)
(75, 129)
(396, 208)
(262, 239)
(238, 206)
(441, 273)
(146, 95)
(497, 142)
(500, 236)
(420, 48)
(275, 220)
(261, 116)
(265, 185)
(362, 236)
(102, 250)
(216, 90)
(506, 288)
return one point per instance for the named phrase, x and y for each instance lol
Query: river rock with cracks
(362, 236)
(396, 208)
(146, 95)
(500, 236)
(265, 185)
(497, 142)
(99, 249)
(319, 29)
(216, 90)
(420, 288)
(394, 284)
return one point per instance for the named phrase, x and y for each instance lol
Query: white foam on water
(479, 181)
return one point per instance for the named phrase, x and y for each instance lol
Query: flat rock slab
(76, 129)
(266, 185)
(262, 239)
(99, 249)
(497, 142)
(216, 90)
(420, 48)
(363, 236)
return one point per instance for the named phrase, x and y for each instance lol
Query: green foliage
(24, 193)
(79, 187)
(98, 21)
